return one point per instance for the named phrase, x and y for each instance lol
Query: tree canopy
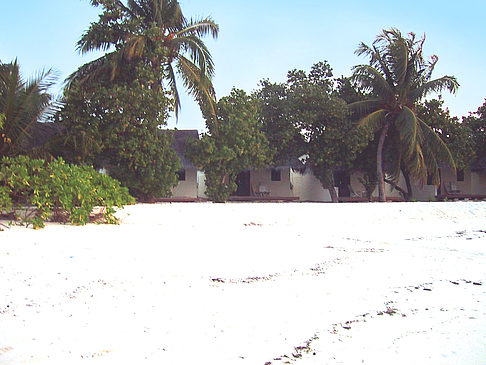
(234, 143)
(398, 77)
(476, 122)
(156, 33)
(117, 126)
(457, 135)
(306, 116)
(116, 105)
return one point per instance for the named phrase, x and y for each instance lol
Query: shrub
(48, 191)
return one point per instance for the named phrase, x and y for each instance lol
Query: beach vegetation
(23, 103)
(116, 105)
(234, 143)
(116, 126)
(395, 80)
(33, 191)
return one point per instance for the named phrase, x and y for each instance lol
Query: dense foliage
(116, 125)
(476, 122)
(396, 79)
(158, 34)
(276, 115)
(307, 114)
(234, 143)
(456, 135)
(116, 105)
(22, 104)
(35, 191)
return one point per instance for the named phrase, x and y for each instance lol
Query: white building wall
(421, 193)
(308, 188)
(424, 193)
(359, 189)
(188, 187)
(263, 177)
(478, 183)
(474, 182)
(449, 176)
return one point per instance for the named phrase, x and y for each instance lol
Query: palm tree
(22, 105)
(397, 78)
(155, 32)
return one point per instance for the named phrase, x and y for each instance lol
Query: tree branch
(395, 186)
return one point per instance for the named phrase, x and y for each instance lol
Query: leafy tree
(307, 111)
(234, 143)
(397, 78)
(22, 104)
(157, 33)
(117, 125)
(276, 113)
(477, 123)
(456, 135)
(365, 161)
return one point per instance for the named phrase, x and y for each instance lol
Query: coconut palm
(397, 78)
(22, 105)
(155, 32)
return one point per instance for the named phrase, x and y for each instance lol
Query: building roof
(180, 142)
(293, 163)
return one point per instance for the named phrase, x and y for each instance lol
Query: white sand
(401, 283)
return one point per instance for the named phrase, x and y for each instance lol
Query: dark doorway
(342, 180)
(243, 182)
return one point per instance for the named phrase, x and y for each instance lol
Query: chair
(356, 194)
(453, 189)
(262, 190)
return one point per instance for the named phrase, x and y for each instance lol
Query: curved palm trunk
(379, 163)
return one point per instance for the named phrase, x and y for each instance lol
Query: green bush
(56, 190)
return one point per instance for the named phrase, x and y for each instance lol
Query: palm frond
(198, 52)
(374, 121)
(200, 27)
(365, 107)
(399, 60)
(436, 145)
(370, 79)
(173, 89)
(23, 103)
(99, 69)
(197, 84)
(363, 49)
(134, 47)
(406, 125)
(444, 83)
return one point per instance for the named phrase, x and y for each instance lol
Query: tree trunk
(331, 187)
(409, 186)
(379, 163)
(333, 194)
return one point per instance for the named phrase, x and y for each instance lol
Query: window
(182, 175)
(460, 175)
(276, 176)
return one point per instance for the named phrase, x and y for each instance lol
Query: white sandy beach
(202, 283)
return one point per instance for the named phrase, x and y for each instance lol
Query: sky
(265, 39)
